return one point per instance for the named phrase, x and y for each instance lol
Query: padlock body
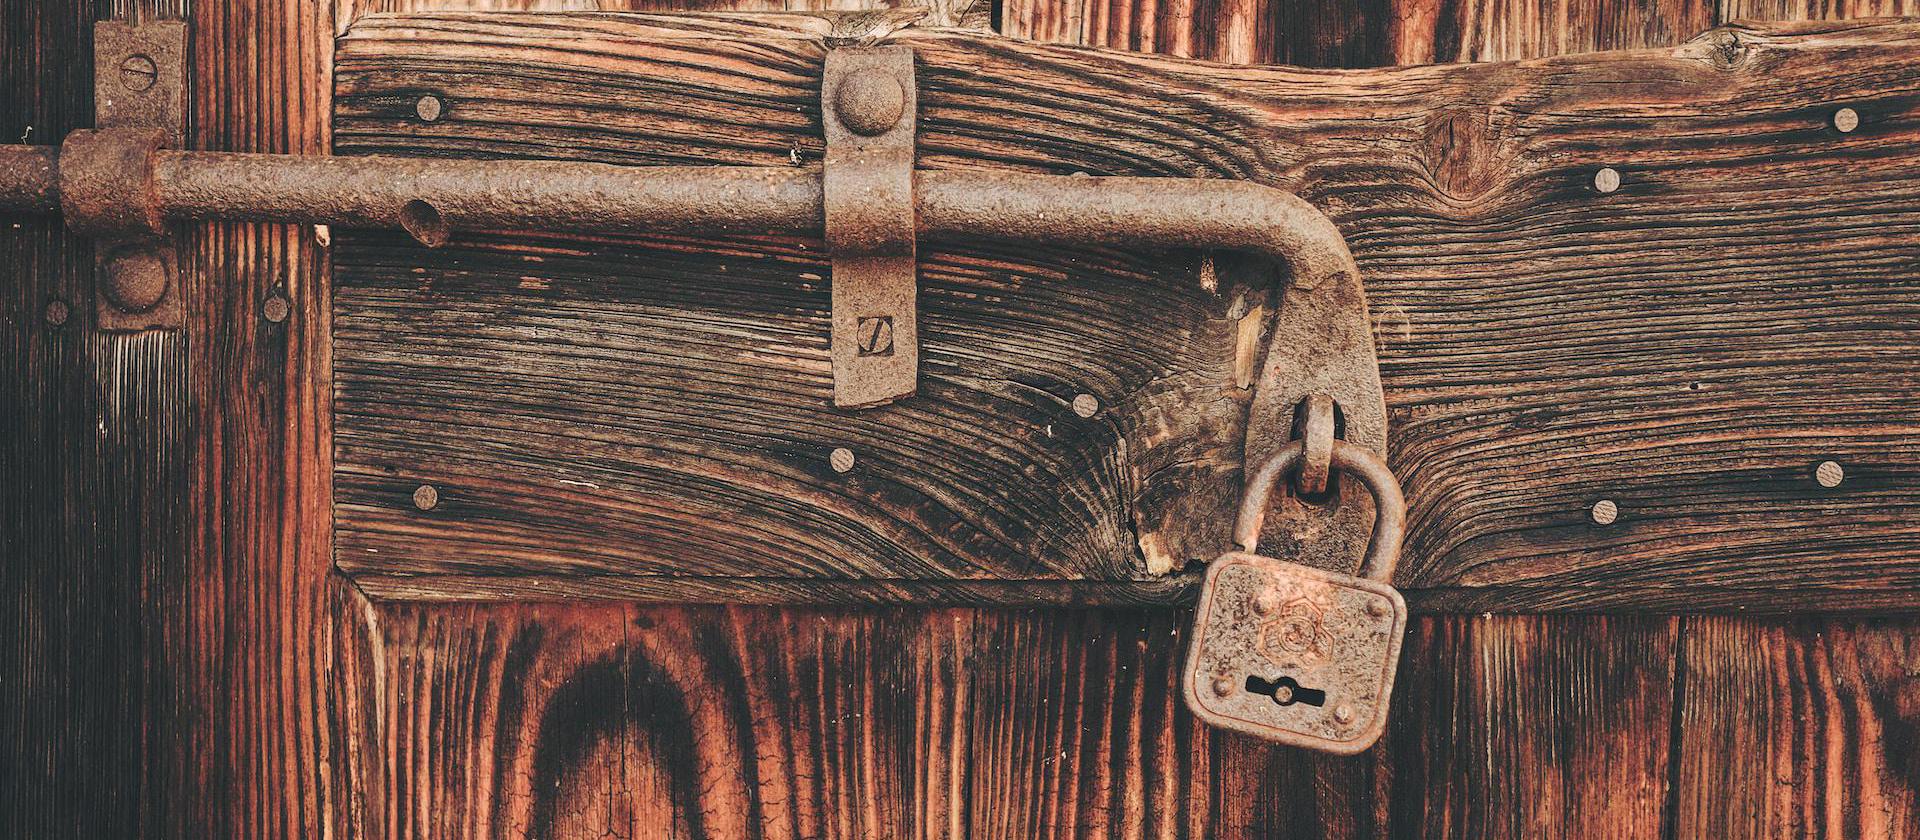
(1270, 638)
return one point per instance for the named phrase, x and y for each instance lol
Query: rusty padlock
(1295, 654)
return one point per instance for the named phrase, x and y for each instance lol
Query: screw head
(1086, 405)
(138, 73)
(1343, 714)
(869, 103)
(426, 497)
(1606, 180)
(137, 278)
(841, 460)
(275, 309)
(429, 108)
(57, 312)
(1605, 512)
(1222, 685)
(1846, 120)
(1829, 474)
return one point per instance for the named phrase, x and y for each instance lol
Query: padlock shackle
(1389, 504)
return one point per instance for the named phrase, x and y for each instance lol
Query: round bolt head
(1343, 714)
(1606, 180)
(1086, 405)
(1605, 512)
(426, 497)
(138, 73)
(1846, 120)
(1222, 685)
(1267, 602)
(1378, 608)
(1829, 474)
(841, 460)
(869, 103)
(137, 278)
(57, 312)
(429, 108)
(275, 309)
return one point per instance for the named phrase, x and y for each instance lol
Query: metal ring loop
(1389, 504)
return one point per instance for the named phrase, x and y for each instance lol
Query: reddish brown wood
(1681, 347)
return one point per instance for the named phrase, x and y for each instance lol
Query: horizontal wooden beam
(627, 417)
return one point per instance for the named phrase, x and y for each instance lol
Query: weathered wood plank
(533, 720)
(1802, 728)
(1689, 347)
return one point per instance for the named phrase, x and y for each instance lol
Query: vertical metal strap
(868, 107)
(139, 83)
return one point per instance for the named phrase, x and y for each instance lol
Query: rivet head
(1222, 686)
(57, 312)
(1378, 608)
(869, 103)
(429, 108)
(275, 309)
(1605, 511)
(138, 73)
(1846, 120)
(1606, 180)
(1343, 714)
(1829, 474)
(137, 278)
(841, 459)
(426, 497)
(1267, 602)
(1086, 405)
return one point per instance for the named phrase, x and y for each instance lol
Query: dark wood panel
(93, 430)
(1802, 728)
(1689, 347)
(568, 721)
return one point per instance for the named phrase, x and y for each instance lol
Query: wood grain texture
(1689, 347)
(1801, 728)
(572, 721)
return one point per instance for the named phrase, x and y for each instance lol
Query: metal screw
(429, 108)
(869, 103)
(57, 312)
(1846, 120)
(1606, 180)
(1343, 714)
(275, 309)
(1222, 685)
(1605, 511)
(1086, 405)
(137, 278)
(138, 73)
(1829, 474)
(425, 497)
(841, 460)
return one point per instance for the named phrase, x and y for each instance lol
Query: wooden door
(230, 617)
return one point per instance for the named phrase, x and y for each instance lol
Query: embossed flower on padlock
(1297, 632)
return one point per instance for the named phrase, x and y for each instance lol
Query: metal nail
(1605, 511)
(425, 497)
(1606, 180)
(841, 460)
(1829, 474)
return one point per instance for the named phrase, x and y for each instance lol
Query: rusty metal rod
(429, 197)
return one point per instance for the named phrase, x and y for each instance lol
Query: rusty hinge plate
(867, 106)
(139, 82)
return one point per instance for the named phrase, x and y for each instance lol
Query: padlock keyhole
(1285, 691)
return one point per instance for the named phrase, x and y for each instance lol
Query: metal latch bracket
(867, 104)
(139, 83)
